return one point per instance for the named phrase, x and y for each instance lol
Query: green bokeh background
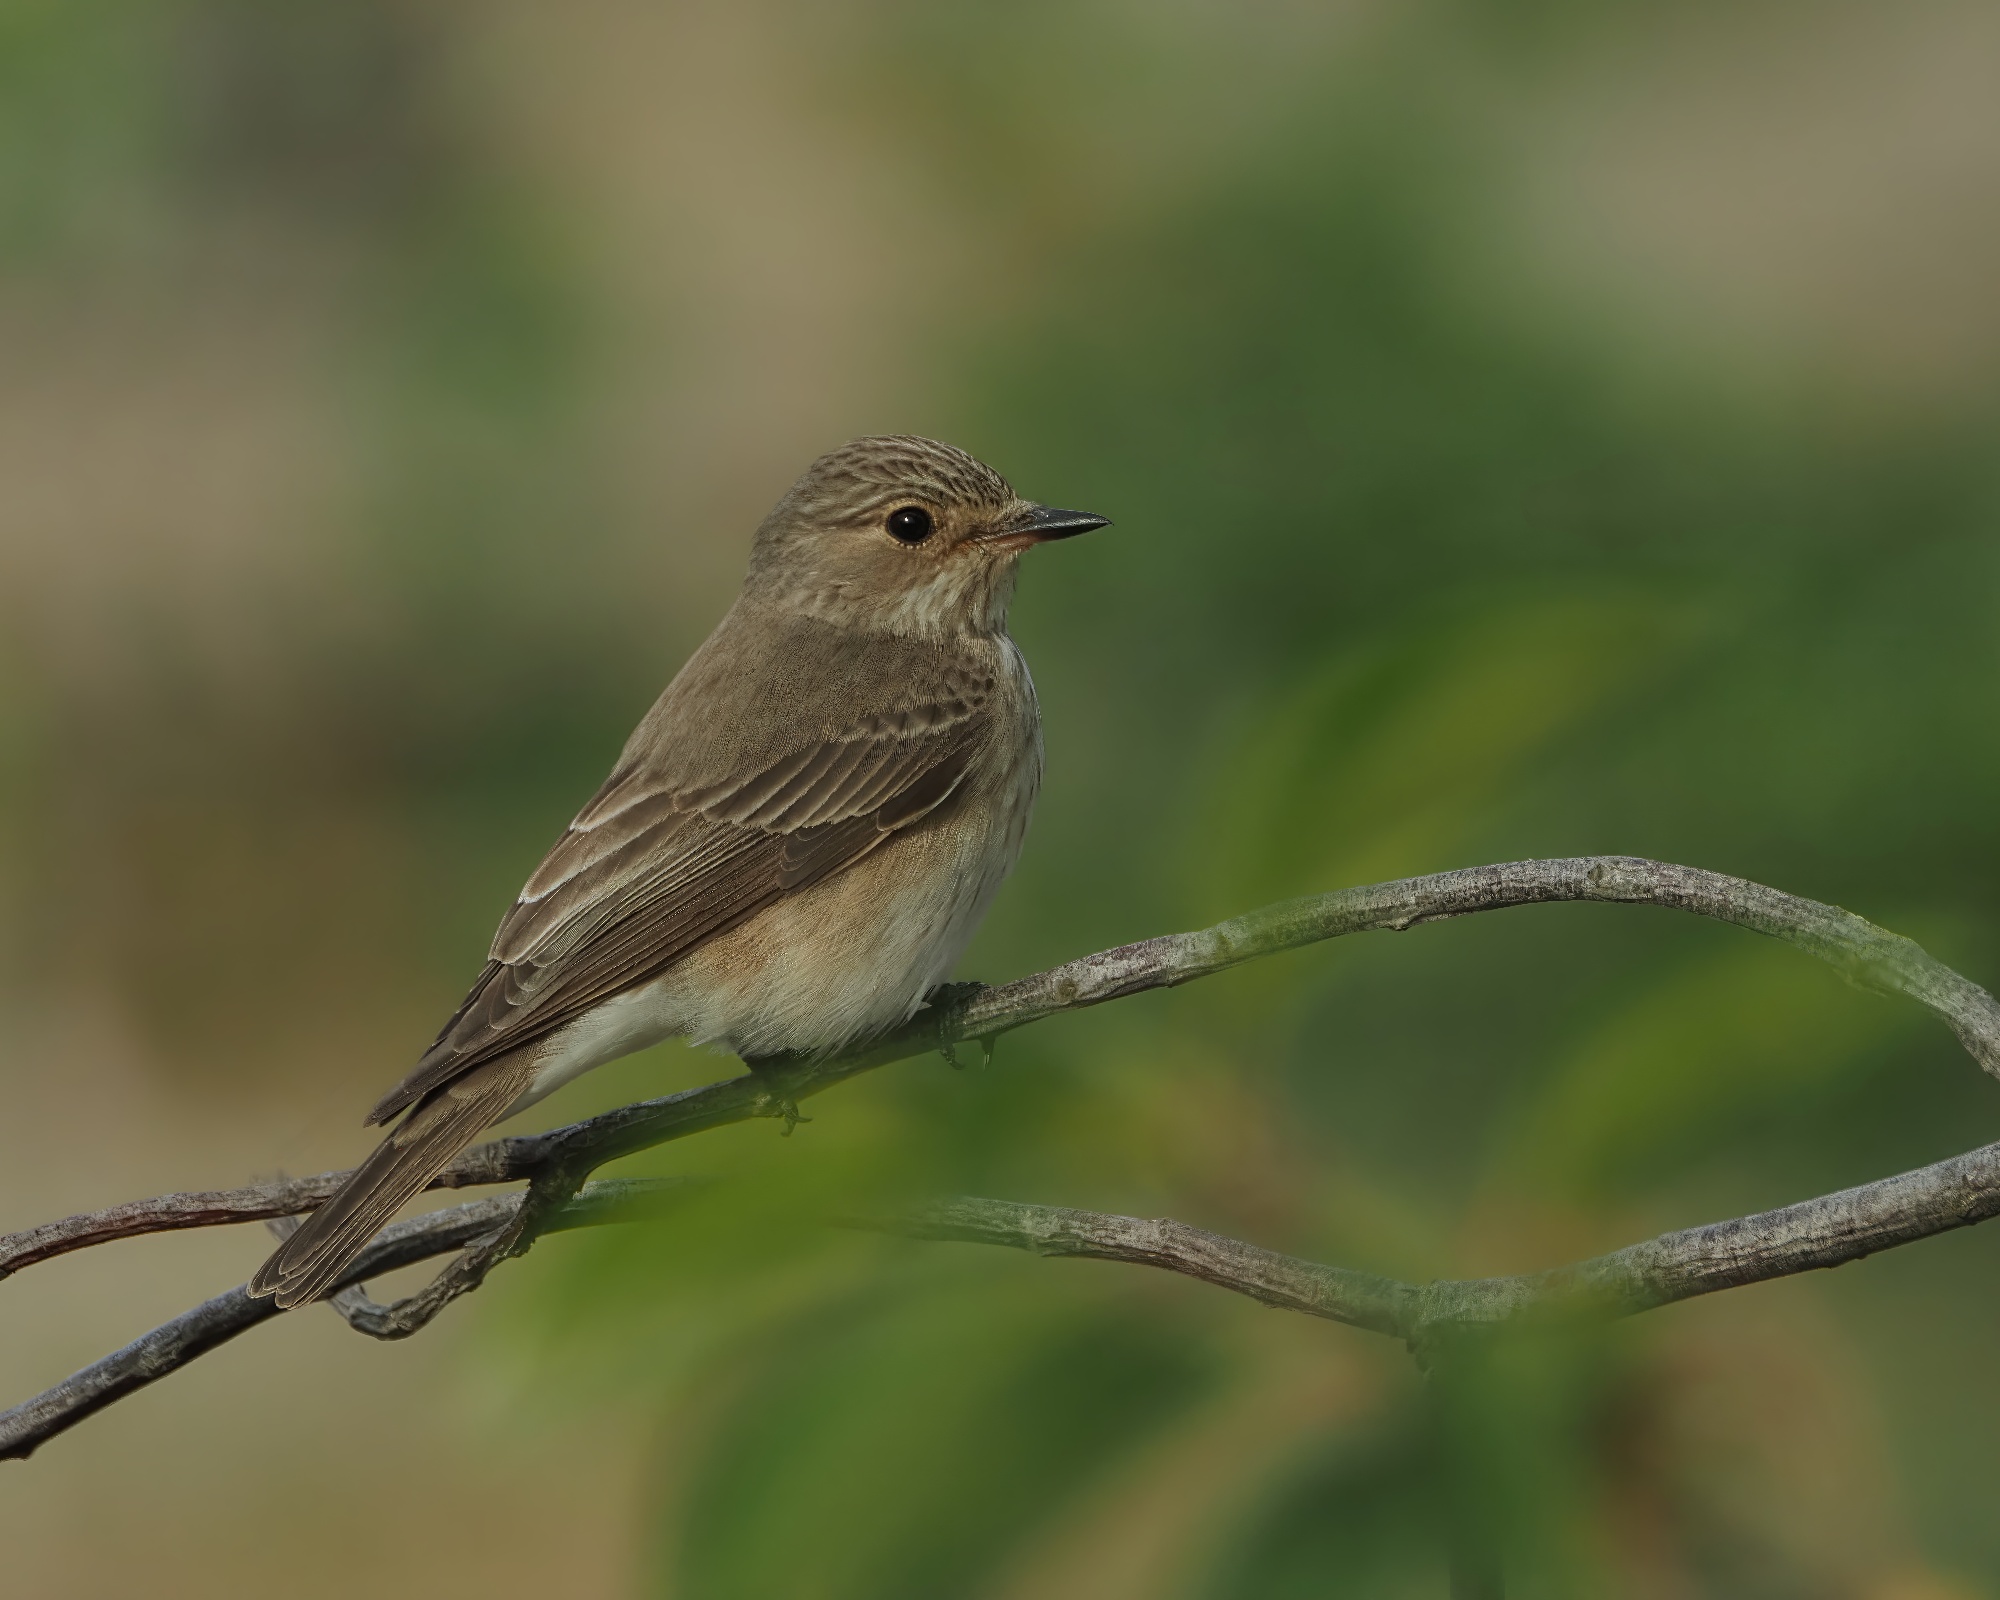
(1531, 429)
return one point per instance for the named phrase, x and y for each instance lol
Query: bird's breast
(857, 953)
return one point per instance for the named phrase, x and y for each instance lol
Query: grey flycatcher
(795, 845)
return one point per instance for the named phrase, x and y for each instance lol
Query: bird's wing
(654, 866)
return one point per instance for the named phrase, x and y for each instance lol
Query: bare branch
(165, 1214)
(1827, 1232)
(1871, 956)
(1360, 1299)
(556, 1162)
(194, 1333)
(1867, 954)
(540, 1209)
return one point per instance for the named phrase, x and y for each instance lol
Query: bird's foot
(776, 1081)
(948, 997)
(951, 1051)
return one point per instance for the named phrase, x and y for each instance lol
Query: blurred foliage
(1416, 565)
(911, 1442)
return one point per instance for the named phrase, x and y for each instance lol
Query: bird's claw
(947, 997)
(949, 1050)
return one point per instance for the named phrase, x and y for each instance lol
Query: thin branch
(557, 1161)
(540, 1209)
(165, 1213)
(215, 1322)
(1870, 956)
(1827, 1232)
(1360, 1299)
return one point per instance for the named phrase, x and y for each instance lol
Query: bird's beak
(1038, 524)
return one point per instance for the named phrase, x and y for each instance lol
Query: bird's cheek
(1005, 545)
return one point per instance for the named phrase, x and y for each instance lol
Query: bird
(796, 843)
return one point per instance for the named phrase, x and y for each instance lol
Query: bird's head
(901, 535)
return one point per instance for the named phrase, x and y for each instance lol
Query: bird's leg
(772, 1073)
(948, 997)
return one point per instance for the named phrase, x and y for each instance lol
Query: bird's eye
(911, 524)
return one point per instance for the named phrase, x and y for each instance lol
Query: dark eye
(911, 524)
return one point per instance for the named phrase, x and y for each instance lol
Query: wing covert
(651, 869)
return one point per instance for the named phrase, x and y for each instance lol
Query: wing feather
(651, 869)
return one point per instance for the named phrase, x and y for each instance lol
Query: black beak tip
(1051, 522)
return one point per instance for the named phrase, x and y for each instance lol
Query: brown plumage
(796, 842)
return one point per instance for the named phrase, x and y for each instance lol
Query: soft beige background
(208, 987)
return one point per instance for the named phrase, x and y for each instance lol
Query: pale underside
(795, 906)
(839, 961)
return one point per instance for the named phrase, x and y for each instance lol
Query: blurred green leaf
(1386, 758)
(1680, 1065)
(1358, 1515)
(901, 1447)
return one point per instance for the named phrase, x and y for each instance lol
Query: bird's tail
(421, 1146)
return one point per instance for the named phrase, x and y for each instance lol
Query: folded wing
(652, 868)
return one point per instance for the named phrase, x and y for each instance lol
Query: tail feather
(421, 1146)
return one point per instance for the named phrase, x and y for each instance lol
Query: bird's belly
(855, 954)
(832, 964)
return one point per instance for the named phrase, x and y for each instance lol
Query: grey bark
(1816, 1233)
(1827, 1232)
(215, 1322)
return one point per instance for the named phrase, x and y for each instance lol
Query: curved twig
(1287, 1283)
(1869, 955)
(556, 1161)
(540, 1208)
(1827, 1232)
(167, 1213)
(171, 1346)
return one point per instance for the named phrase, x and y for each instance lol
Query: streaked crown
(864, 478)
